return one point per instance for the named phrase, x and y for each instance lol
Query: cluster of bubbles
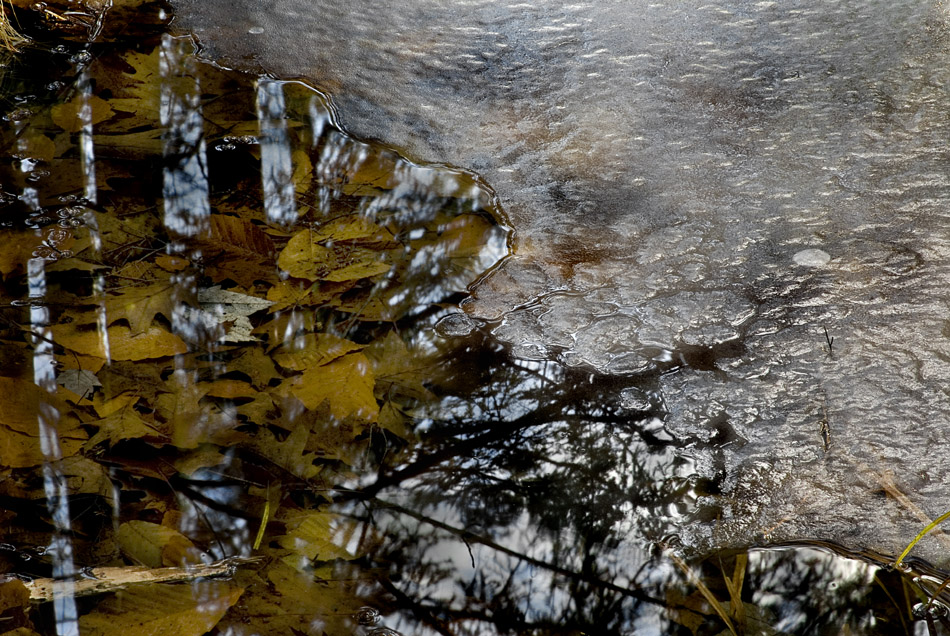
(370, 617)
(60, 223)
(231, 142)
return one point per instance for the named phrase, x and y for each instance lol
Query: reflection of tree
(538, 479)
(534, 504)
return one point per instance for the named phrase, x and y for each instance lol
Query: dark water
(233, 329)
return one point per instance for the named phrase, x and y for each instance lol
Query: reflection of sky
(185, 175)
(276, 165)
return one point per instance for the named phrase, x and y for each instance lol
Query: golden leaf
(139, 305)
(17, 250)
(229, 389)
(123, 345)
(161, 610)
(237, 249)
(399, 371)
(312, 350)
(316, 535)
(155, 545)
(79, 111)
(36, 146)
(22, 410)
(304, 257)
(346, 384)
(348, 228)
(123, 423)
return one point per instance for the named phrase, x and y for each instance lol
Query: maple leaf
(346, 384)
(140, 305)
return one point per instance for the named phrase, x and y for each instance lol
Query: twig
(103, 580)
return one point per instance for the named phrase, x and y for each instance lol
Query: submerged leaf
(312, 350)
(155, 545)
(161, 610)
(122, 344)
(315, 535)
(139, 305)
(346, 384)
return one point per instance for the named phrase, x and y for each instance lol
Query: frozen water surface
(700, 191)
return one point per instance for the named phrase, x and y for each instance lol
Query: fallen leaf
(155, 342)
(139, 305)
(312, 350)
(155, 545)
(316, 535)
(81, 110)
(161, 610)
(346, 384)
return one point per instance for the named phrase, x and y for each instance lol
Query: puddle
(233, 357)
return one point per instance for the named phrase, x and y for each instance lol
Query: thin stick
(111, 579)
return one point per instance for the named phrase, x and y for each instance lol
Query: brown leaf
(312, 350)
(79, 111)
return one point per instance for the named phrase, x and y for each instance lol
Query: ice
(700, 191)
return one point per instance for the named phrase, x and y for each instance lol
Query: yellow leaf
(350, 227)
(346, 384)
(399, 371)
(229, 389)
(18, 249)
(316, 535)
(155, 342)
(312, 350)
(106, 407)
(161, 610)
(79, 111)
(304, 257)
(122, 424)
(139, 305)
(155, 545)
(171, 263)
(36, 146)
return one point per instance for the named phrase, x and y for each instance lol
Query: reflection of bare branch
(469, 536)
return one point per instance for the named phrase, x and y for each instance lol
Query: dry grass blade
(707, 594)
(734, 585)
(10, 39)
